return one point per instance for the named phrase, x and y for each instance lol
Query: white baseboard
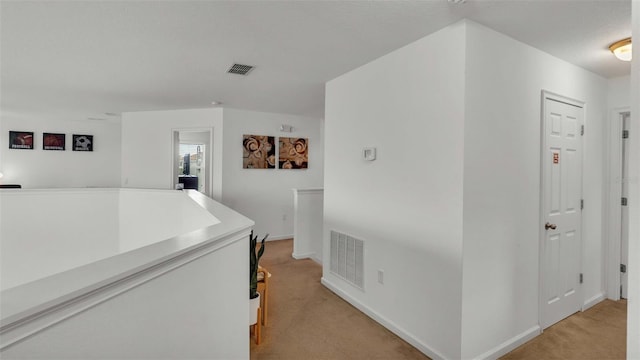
(511, 344)
(316, 259)
(280, 237)
(592, 301)
(427, 350)
(309, 255)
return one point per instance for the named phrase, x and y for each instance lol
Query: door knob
(548, 226)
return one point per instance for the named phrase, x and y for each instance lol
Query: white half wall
(147, 152)
(308, 224)
(407, 204)
(195, 311)
(40, 168)
(265, 195)
(502, 184)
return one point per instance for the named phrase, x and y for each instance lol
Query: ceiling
(82, 59)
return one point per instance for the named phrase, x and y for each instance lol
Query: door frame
(208, 157)
(545, 94)
(613, 216)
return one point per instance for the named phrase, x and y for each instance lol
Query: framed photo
(294, 153)
(21, 140)
(259, 152)
(82, 142)
(51, 141)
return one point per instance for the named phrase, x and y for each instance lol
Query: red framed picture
(21, 140)
(52, 141)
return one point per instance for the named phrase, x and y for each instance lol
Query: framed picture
(20, 140)
(82, 142)
(258, 152)
(294, 153)
(52, 141)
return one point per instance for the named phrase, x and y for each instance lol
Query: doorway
(617, 221)
(192, 160)
(624, 223)
(561, 208)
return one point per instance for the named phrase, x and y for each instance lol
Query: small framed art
(294, 153)
(259, 152)
(82, 142)
(52, 141)
(21, 140)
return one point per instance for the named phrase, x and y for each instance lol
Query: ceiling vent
(240, 69)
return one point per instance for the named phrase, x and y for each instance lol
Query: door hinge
(624, 201)
(581, 129)
(581, 204)
(581, 278)
(623, 268)
(625, 134)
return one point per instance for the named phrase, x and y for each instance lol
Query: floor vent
(347, 258)
(240, 69)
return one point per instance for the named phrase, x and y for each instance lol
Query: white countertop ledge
(26, 303)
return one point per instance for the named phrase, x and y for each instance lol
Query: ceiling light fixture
(622, 49)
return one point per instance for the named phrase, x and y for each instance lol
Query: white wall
(633, 310)
(38, 168)
(407, 205)
(147, 151)
(619, 99)
(459, 148)
(619, 93)
(502, 184)
(264, 195)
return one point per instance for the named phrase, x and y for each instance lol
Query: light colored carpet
(307, 321)
(597, 334)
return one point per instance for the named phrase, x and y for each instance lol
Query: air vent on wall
(347, 258)
(240, 69)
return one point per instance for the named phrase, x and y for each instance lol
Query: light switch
(369, 154)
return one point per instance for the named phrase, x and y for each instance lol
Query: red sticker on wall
(556, 158)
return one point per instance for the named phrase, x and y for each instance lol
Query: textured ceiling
(80, 59)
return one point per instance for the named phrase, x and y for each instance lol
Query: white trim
(511, 344)
(279, 237)
(209, 162)
(424, 348)
(309, 191)
(612, 215)
(309, 255)
(593, 301)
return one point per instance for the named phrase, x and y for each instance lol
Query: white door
(624, 234)
(561, 209)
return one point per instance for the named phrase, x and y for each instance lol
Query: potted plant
(254, 259)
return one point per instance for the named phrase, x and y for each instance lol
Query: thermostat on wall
(369, 154)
